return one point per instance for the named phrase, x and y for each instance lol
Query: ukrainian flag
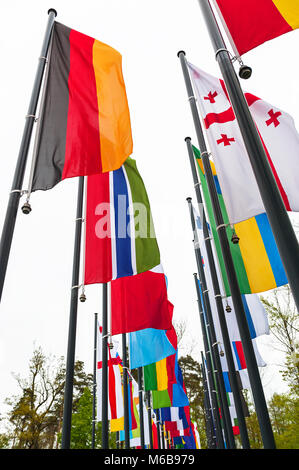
(256, 257)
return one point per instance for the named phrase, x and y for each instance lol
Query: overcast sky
(35, 304)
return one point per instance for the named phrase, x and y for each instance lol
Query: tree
(191, 371)
(284, 325)
(81, 433)
(35, 418)
(284, 414)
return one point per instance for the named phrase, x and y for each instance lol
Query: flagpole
(141, 417)
(149, 417)
(211, 437)
(252, 368)
(213, 340)
(283, 231)
(215, 365)
(158, 428)
(162, 433)
(16, 189)
(219, 435)
(94, 380)
(125, 388)
(105, 422)
(219, 305)
(70, 360)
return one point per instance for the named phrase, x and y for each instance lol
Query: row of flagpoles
(135, 304)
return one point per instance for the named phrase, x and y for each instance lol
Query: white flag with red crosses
(115, 395)
(278, 134)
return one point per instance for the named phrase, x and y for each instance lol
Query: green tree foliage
(35, 417)
(284, 325)
(191, 371)
(284, 414)
(81, 434)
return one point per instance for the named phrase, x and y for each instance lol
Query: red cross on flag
(279, 137)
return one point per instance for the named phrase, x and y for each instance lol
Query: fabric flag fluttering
(134, 424)
(160, 374)
(139, 302)
(256, 258)
(236, 178)
(115, 396)
(175, 394)
(257, 322)
(120, 236)
(85, 122)
(150, 345)
(251, 23)
(255, 312)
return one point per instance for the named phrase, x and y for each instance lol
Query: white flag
(115, 396)
(279, 136)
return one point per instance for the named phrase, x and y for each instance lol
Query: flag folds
(175, 394)
(236, 178)
(115, 396)
(120, 237)
(85, 122)
(160, 375)
(149, 346)
(256, 258)
(139, 302)
(251, 23)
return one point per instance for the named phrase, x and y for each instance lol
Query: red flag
(251, 23)
(139, 302)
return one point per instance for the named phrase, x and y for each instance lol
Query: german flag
(85, 121)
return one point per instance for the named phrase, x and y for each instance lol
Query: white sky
(36, 297)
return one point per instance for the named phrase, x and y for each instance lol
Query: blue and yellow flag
(256, 258)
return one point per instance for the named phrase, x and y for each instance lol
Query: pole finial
(187, 138)
(189, 199)
(181, 52)
(52, 10)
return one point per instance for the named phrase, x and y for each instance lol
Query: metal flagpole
(210, 431)
(219, 304)
(141, 417)
(149, 417)
(283, 232)
(16, 189)
(227, 425)
(105, 422)
(215, 365)
(219, 435)
(70, 360)
(158, 428)
(162, 433)
(94, 380)
(125, 387)
(252, 368)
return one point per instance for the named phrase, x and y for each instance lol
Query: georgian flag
(279, 137)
